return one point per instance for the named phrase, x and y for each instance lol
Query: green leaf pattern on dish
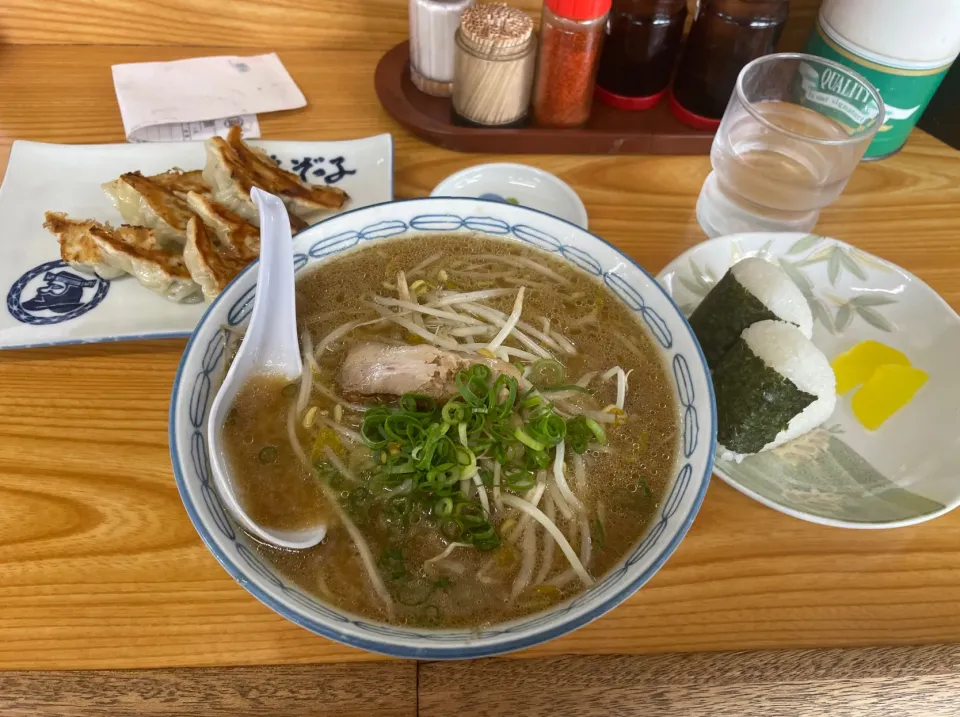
(820, 474)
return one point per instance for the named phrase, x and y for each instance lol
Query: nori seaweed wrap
(771, 387)
(752, 290)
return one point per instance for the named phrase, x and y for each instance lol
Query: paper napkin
(201, 97)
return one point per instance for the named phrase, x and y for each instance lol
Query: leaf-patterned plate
(843, 474)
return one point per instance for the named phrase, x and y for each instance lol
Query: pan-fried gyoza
(188, 233)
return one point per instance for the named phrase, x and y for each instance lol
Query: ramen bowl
(657, 317)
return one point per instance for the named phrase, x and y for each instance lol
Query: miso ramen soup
(485, 430)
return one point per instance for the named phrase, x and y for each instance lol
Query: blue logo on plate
(52, 293)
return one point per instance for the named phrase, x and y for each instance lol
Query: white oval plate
(50, 304)
(517, 184)
(908, 470)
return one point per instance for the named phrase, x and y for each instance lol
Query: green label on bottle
(905, 91)
(837, 93)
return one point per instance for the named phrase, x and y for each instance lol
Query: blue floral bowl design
(202, 365)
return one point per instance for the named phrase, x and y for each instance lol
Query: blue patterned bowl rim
(258, 577)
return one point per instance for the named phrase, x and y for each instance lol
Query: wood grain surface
(872, 682)
(100, 567)
(272, 24)
(388, 690)
(885, 682)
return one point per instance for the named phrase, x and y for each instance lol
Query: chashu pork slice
(77, 246)
(372, 368)
(143, 202)
(233, 169)
(137, 251)
(210, 265)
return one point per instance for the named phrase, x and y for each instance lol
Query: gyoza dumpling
(142, 202)
(136, 251)
(231, 182)
(233, 168)
(232, 233)
(211, 266)
(77, 246)
(308, 201)
(180, 182)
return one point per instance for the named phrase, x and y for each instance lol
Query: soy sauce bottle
(725, 36)
(640, 51)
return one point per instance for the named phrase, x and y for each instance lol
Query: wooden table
(100, 567)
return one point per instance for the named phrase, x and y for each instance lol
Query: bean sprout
(535, 513)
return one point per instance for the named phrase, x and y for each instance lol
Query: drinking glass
(793, 132)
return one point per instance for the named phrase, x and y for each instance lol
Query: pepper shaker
(571, 37)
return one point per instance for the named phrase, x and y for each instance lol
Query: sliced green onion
(400, 505)
(359, 499)
(481, 371)
(454, 411)
(443, 507)
(451, 528)
(268, 454)
(548, 429)
(581, 431)
(417, 404)
(566, 387)
(532, 402)
(537, 459)
(526, 440)
(520, 481)
(546, 372)
(644, 486)
(597, 430)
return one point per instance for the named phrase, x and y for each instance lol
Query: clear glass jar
(640, 51)
(433, 24)
(571, 37)
(725, 36)
(492, 85)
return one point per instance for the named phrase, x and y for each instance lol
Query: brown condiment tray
(609, 131)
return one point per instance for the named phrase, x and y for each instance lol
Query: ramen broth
(407, 547)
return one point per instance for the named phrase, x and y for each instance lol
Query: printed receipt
(199, 98)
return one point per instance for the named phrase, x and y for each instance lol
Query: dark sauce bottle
(641, 48)
(725, 36)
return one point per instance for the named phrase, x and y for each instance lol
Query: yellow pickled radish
(858, 364)
(889, 389)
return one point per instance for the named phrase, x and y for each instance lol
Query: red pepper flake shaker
(571, 36)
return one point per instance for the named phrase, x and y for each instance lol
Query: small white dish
(842, 474)
(49, 303)
(517, 184)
